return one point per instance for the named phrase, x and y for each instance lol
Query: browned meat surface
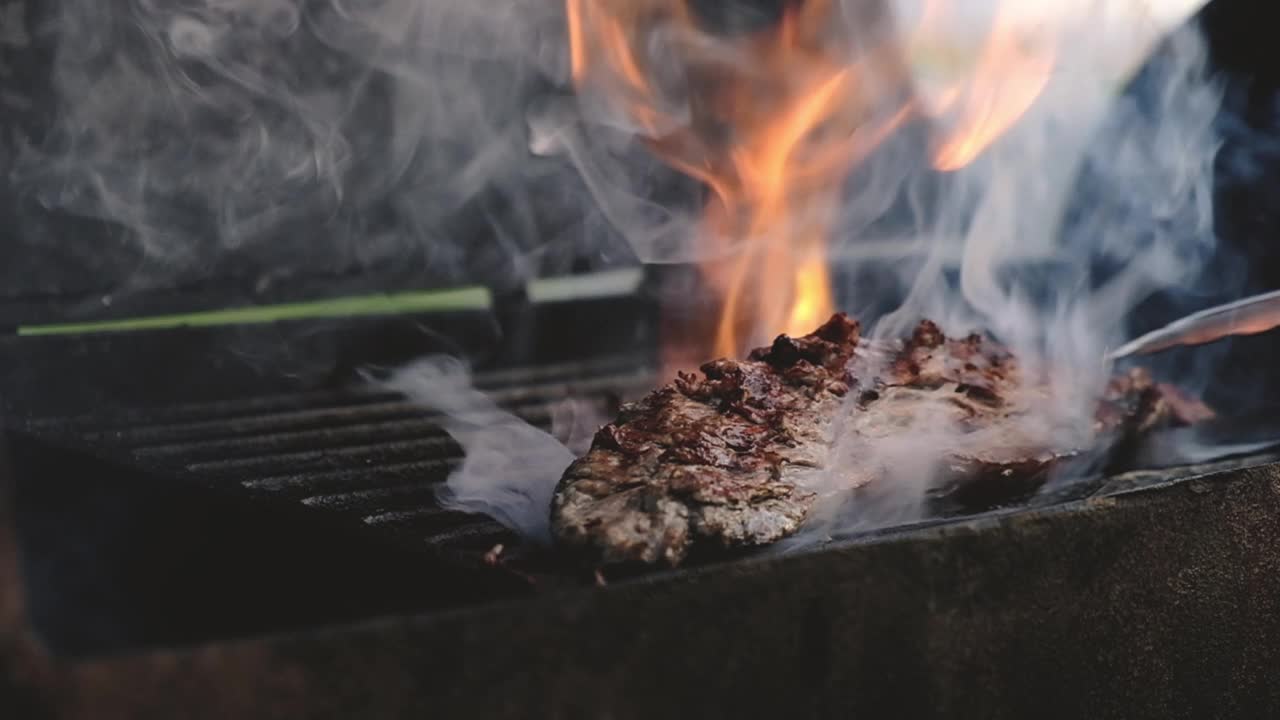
(728, 459)
(710, 459)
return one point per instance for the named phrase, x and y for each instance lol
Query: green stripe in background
(476, 298)
(543, 290)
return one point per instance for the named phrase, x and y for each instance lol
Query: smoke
(440, 135)
(574, 423)
(1089, 205)
(290, 136)
(1007, 253)
(511, 467)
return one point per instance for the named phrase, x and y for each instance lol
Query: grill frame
(301, 440)
(1153, 601)
(1174, 588)
(946, 618)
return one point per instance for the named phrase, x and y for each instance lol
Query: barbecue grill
(228, 519)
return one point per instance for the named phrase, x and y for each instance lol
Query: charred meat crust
(721, 459)
(711, 459)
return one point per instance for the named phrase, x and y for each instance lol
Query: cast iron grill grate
(368, 456)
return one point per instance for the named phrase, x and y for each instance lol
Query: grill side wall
(1162, 602)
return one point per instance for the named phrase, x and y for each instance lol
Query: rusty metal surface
(1158, 602)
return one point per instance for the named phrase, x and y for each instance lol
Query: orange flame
(1010, 72)
(772, 123)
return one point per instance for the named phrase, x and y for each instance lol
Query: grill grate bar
(219, 410)
(304, 485)
(152, 438)
(328, 416)
(478, 536)
(435, 525)
(383, 499)
(310, 399)
(433, 516)
(282, 443)
(325, 459)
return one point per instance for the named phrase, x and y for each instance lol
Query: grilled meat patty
(728, 459)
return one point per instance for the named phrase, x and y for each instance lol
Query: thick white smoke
(511, 467)
(1048, 240)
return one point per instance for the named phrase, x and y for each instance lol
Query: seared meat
(715, 458)
(730, 459)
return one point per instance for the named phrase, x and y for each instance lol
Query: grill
(368, 457)
(320, 497)
(281, 552)
(228, 522)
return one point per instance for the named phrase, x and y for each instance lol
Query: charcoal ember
(726, 459)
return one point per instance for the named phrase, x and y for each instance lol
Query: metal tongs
(1249, 316)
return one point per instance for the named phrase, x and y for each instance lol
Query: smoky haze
(192, 138)
(271, 137)
(510, 468)
(1089, 205)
